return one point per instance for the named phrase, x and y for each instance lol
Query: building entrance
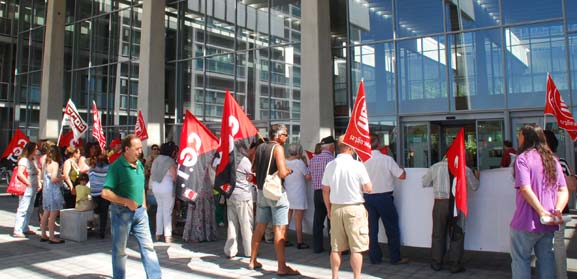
(426, 143)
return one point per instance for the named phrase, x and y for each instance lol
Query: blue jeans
(25, 207)
(123, 221)
(522, 243)
(382, 206)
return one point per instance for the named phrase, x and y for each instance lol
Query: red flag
(140, 128)
(197, 147)
(310, 154)
(456, 159)
(97, 131)
(357, 134)
(555, 106)
(73, 119)
(15, 147)
(68, 140)
(384, 150)
(236, 131)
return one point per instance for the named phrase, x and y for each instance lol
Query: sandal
(302, 246)
(44, 239)
(59, 241)
(288, 244)
(257, 265)
(289, 272)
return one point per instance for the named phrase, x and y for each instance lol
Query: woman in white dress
(162, 178)
(295, 185)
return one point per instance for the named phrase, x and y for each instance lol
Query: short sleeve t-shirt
(346, 177)
(125, 180)
(243, 188)
(529, 171)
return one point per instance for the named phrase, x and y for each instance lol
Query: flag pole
(544, 114)
(60, 134)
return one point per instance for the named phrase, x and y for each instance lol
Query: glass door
(416, 145)
(490, 143)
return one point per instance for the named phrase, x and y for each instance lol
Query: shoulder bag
(17, 187)
(272, 187)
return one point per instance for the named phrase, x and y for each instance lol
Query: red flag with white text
(73, 119)
(197, 147)
(555, 106)
(357, 134)
(15, 147)
(457, 163)
(97, 131)
(140, 128)
(68, 140)
(236, 134)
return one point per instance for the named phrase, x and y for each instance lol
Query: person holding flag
(447, 218)
(541, 194)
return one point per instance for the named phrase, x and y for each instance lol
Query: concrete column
(317, 106)
(151, 71)
(52, 88)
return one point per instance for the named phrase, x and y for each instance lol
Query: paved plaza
(30, 258)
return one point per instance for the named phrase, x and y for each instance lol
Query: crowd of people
(350, 197)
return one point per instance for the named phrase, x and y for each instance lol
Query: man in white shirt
(443, 221)
(344, 182)
(380, 203)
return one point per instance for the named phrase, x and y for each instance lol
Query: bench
(73, 224)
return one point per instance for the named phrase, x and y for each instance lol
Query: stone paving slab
(29, 258)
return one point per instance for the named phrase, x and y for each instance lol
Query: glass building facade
(429, 67)
(433, 67)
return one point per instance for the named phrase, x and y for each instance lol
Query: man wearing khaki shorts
(344, 182)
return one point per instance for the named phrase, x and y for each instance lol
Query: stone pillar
(52, 87)
(317, 106)
(151, 70)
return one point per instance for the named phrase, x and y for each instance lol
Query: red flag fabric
(73, 119)
(68, 140)
(384, 150)
(97, 131)
(140, 128)
(310, 154)
(555, 106)
(15, 147)
(197, 147)
(236, 132)
(457, 162)
(357, 134)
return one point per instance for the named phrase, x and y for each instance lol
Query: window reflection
(417, 17)
(422, 75)
(531, 52)
(476, 71)
(370, 20)
(515, 11)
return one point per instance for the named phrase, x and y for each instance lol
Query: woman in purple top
(541, 191)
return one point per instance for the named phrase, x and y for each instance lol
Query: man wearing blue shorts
(275, 212)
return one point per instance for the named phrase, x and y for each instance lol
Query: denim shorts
(275, 212)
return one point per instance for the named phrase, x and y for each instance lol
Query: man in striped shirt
(317, 169)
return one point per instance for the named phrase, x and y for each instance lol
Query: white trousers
(240, 219)
(165, 201)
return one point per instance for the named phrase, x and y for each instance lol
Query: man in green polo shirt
(124, 188)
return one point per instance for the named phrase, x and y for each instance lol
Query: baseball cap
(114, 142)
(327, 140)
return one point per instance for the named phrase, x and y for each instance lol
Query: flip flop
(42, 239)
(290, 272)
(60, 241)
(257, 265)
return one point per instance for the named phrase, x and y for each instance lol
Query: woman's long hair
(28, 150)
(534, 138)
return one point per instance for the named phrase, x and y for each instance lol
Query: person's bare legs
(299, 213)
(356, 264)
(290, 217)
(279, 248)
(255, 243)
(44, 224)
(52, 224)
(336, 263)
